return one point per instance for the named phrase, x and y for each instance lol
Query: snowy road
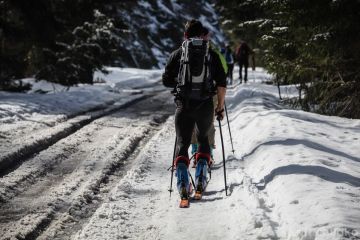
(294, 175)
(62, 185)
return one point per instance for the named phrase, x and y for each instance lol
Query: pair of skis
(184, 202)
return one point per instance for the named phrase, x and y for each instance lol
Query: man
(194, 104)
(230, 63)
(242, 54)
(194, 141)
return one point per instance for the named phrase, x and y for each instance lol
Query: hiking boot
(184, 194)
(201, 174)
(182, 174)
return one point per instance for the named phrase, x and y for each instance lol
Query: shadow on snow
(318, 171)
(307, 143)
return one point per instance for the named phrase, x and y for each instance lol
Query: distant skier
(230, 63)
(218, 51)
(196, 74)
(242, 55)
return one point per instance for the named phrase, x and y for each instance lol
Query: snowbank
(305, 167)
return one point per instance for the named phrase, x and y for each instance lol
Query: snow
(167, 42)
(294, 174)
(306, 166)
(164, 8)
(280, 29)
(156, 19)
(25, 116)
(33, 106)
(129, 78)
(175, 6)
(145, 4)
(255, 22)
(36, 107)
(159, 56)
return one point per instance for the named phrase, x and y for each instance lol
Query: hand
(219, 112)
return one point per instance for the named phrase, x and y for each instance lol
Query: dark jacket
(172, 69)
(243, 52)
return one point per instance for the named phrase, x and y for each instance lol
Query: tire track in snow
(87, 203)
(15, 157)
(59, 209)
(139, 207)
(8, 189)
(36, 223)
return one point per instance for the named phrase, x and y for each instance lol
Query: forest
(60, 41)
(312, 44)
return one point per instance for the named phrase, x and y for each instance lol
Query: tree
(92, 46)
(53, 37)
(313, 44)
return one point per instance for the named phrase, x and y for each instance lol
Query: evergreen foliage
(46, 38)
(314, 44)
(92, 45)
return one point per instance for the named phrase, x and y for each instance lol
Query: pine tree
(54, 37)
(92, 46)
(314, 44)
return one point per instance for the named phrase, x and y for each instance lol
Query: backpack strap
(207, 68)
(189, 69)
(184, 61)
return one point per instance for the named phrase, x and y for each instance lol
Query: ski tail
(184, 203)
(199, 190)
(184, 195)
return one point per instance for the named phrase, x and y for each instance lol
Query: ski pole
(223, 153)
(172, 167)
(192, 180)
(227, 118)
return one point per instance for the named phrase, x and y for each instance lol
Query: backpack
(229, 57)
(242, 52)
(194, 80)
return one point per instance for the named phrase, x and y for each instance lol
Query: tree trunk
(278, 85)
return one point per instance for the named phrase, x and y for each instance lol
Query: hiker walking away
(219, 52)
(242, 54)
(196, 74)
(229, 62)
(194, 141)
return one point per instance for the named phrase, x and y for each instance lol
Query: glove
(219, 114)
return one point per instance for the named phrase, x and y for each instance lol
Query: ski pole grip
(219, 115)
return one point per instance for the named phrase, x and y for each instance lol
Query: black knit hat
(194, 28)
(205, 31)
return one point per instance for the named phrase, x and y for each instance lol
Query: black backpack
(194, 79)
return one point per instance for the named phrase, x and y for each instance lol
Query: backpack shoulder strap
(184, 63)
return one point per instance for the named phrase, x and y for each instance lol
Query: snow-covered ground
(59, 103)
(294, 174)
(25, 117)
